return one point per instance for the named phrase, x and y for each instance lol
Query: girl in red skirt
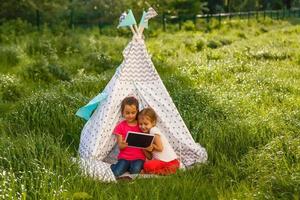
(164, 159)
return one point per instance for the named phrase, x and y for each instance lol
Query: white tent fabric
(136, 77)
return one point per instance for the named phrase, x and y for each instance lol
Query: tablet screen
(139, 140)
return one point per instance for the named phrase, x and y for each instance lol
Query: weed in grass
(11, 89)
(9, 57)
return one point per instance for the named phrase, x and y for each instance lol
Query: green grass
(236, 87)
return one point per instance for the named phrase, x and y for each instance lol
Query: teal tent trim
(86, 111)
(143, 22)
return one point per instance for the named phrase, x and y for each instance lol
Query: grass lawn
(237, 87)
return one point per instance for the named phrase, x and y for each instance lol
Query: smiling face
(129, 113)
(145, 124)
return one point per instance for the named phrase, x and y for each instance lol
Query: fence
(273, 14)
(169, 19)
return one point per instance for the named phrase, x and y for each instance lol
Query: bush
(190, 44)
(218, 42)
(200, 44)
(225, 41)
(13, 28)
(241, 35)
(263, 30)
(189, 26)
(213, 44)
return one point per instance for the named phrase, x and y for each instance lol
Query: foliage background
(107, 11)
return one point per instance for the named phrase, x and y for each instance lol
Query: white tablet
(139, 140)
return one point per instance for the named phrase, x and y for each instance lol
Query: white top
(167, 154)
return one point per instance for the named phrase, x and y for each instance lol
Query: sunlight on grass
(236, 87)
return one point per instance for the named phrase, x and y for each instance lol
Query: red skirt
(161, 167)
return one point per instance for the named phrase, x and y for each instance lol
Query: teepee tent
(136, 76)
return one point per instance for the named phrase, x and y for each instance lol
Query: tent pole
(141, 30)
(132, 30)
(136, 30)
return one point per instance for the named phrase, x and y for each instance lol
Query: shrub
(213, 44)
(225, 41)
(263, 30)
(13, 28)
(190, 44)
(241, 35)
(218, 42)
(200, 44)
(189, 26)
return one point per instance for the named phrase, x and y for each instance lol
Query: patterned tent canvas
(137, 77)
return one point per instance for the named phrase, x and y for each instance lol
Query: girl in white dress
(164, 159)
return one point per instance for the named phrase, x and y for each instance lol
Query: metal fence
(259, 15)
(166, 19)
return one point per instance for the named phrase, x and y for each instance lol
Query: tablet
(139, 140)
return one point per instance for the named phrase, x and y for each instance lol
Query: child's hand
(123, 144)
(150, 148)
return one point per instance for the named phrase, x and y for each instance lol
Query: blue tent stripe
(86, 111)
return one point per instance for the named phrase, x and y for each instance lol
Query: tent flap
(86, 111)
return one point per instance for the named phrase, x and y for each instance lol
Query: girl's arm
(157, 144)
(121, 143)
(147, 154)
